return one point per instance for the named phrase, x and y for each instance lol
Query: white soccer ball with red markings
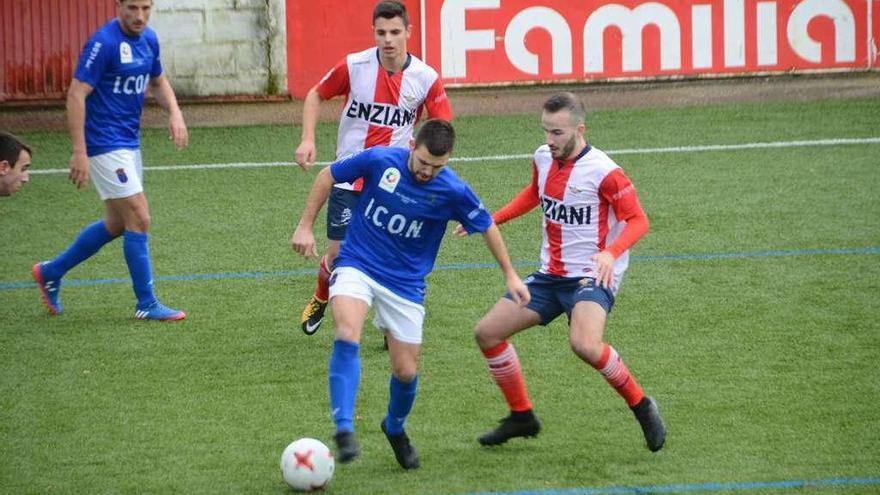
(307, 464)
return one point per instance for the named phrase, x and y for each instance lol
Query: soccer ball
(307, 465)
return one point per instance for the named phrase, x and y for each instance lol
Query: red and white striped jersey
(584, 201)
(382, 108)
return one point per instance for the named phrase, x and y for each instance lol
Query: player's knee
(406, 373)
(484, 335)
(114, 228)
(589, 350)
(347, 333)
(138, 220)
(140, 223)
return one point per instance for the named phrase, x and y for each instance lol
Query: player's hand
(518, 291)
(459, 231)
(177, 131)
(305, 155)
(303, 242)
(604, 268)
(79, 170)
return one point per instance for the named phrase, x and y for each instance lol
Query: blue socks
(137, 256)
(344, 378)
(402, 395)
(89, 241)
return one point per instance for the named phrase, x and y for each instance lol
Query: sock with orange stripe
(618, 376)
(322, 287)
(505, 368)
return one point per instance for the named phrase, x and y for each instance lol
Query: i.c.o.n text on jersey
(395, 224)
(380, 114)
(131, 85)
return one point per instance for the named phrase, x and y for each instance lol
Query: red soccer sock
(618, 376)
(505, 368)
(322, 287)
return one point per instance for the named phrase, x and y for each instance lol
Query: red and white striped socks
(505, 368)
(618, 376)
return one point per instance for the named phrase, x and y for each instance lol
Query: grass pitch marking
(310, 272)
(700, 487)
(495, 158)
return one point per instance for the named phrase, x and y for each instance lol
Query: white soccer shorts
(117, 174)
(402, 318)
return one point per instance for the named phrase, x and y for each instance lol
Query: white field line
(631, 151)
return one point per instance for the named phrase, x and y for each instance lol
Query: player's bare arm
(303, 239)
(518, 291)
(76, 125)
(306, 152)
(164, 95)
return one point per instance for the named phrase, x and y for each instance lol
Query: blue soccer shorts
(340, 207)
(552, 295)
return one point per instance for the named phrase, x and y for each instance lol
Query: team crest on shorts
(390, 179)
(120, 174)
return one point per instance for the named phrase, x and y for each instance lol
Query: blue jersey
(119, 68)
(397, 227)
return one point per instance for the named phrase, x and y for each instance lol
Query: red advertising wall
(489, 41)
(319, 34)
(477, 42)
(40, 41)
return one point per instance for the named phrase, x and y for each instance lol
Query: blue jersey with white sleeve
(119, 68)
(399, 223)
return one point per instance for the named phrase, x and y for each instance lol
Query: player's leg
(108, 182)
(492, 332)
(588, 318)
(402, 321)
(114, 222)
(340, 205)
(130, 204)
(313, 314)
(350, 298)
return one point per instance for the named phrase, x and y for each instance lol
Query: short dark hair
(10, 148)
(389, 9)
(566, 101)
(437, 135)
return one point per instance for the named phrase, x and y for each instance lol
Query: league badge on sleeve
(390, 179)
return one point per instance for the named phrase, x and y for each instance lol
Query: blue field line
(777, 253)
(457, 266)
(700, 487)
